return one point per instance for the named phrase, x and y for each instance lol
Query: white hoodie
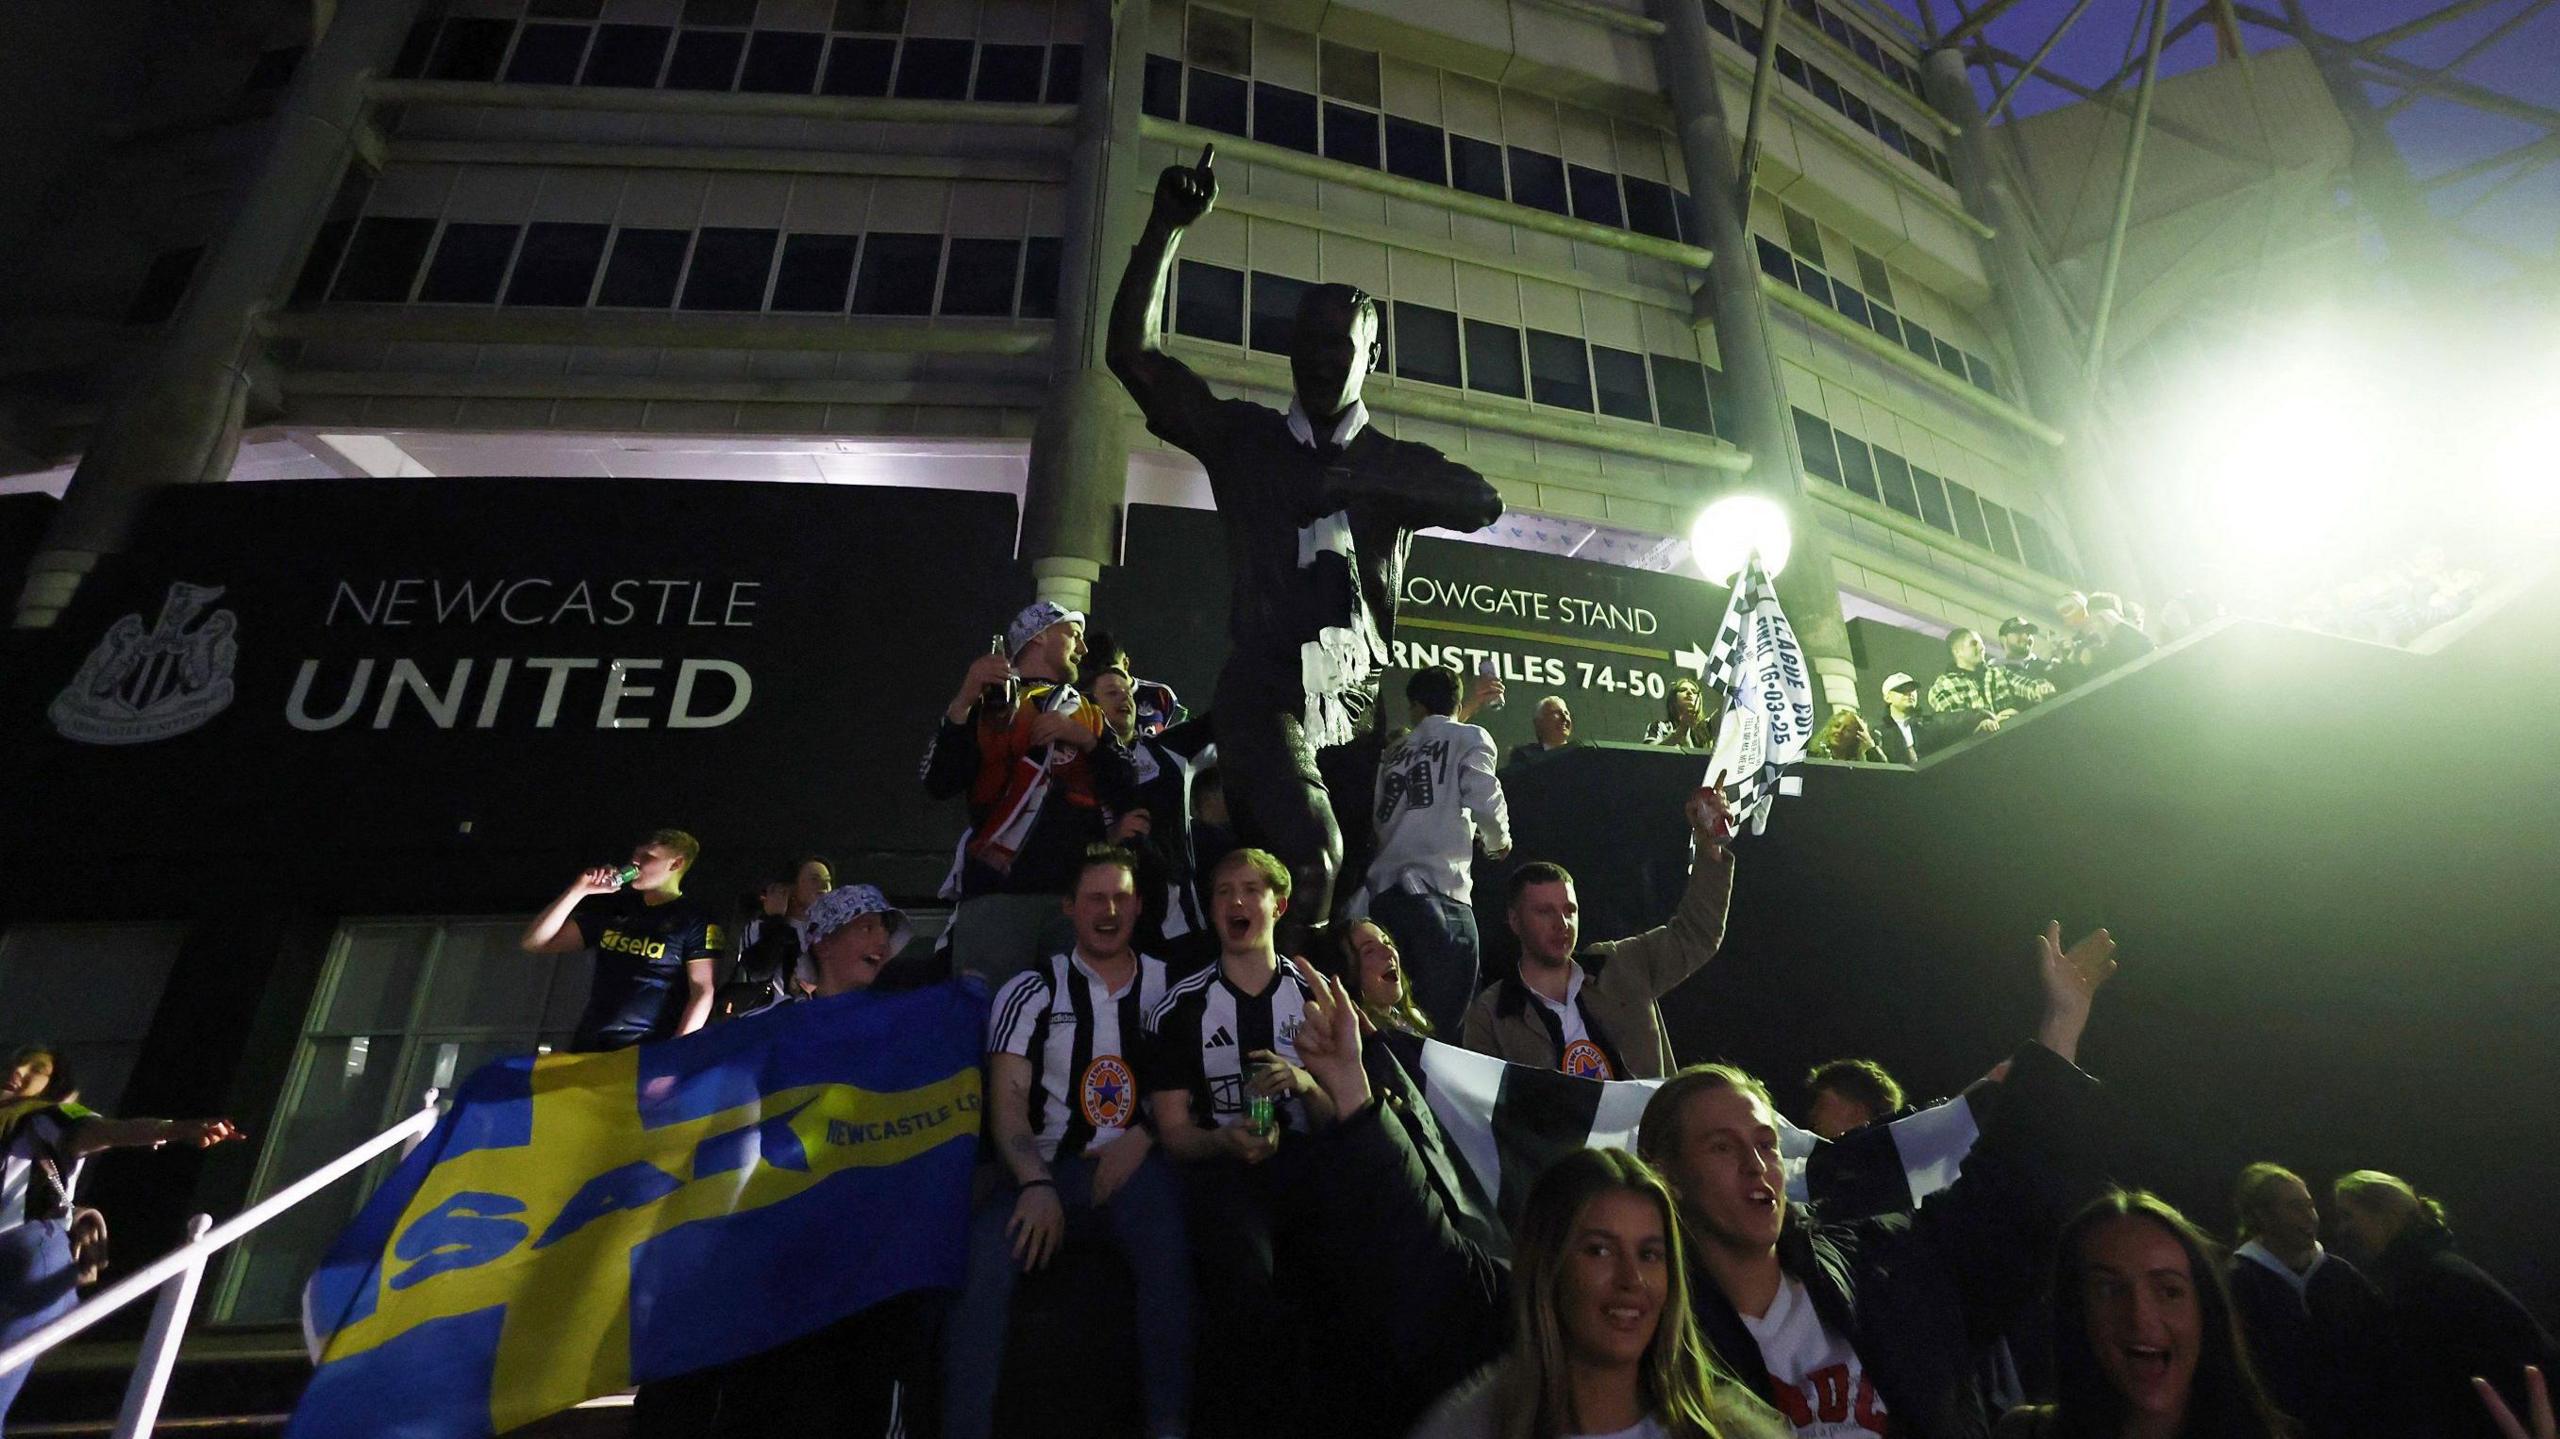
(1436, 795)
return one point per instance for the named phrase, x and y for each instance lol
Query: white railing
(178, 1273)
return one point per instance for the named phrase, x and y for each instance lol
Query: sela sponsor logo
(634, 944)
(141, 685)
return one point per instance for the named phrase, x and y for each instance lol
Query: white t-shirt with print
(1815, 1378)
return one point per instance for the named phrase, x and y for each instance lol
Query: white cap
(1897, 680)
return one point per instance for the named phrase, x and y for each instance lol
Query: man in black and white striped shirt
(1220, 1039)
(1063, 1054)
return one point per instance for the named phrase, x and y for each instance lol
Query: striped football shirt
(1082, 1039)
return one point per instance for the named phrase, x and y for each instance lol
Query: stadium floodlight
(1725, 533)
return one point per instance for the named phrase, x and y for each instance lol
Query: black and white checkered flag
(1766, 698)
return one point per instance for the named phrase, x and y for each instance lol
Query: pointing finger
(1208, 152)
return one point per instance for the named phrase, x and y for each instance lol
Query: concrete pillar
(1752, 411)
(2051, 368)
(1079, 447)
(180, 423)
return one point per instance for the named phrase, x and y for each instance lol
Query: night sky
(2436, 135)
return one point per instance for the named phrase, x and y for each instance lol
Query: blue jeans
(38, 1284)
(1144, 1218)
(1437, 937)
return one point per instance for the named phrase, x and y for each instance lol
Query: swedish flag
(580, 1223)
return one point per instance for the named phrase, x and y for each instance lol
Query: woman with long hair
(2445, 1320)
(1369, 963)
(1844, 736)
(44, 1135)
(1603, 1346)
(2145, 1343)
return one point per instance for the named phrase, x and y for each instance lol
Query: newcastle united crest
(141, 685)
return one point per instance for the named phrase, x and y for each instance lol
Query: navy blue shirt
(641, 952)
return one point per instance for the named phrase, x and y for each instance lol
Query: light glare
(1725, 533)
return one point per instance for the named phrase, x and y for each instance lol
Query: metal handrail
(178, 1273)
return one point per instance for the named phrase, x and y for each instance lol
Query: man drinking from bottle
(655, 950)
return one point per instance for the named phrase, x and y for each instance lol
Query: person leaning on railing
(44, 1136)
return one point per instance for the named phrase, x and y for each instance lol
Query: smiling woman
(2143, 1334)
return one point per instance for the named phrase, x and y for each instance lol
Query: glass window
(1351, 135)
(1893, 476)
(627, 56)
(548, 54)
(1866, 49)
(1350, 74)
(2034, 546)
(1857, 465)
(403, 1006)
(1681, 388)
(1814, 283)
(641, 273)
(1803, 236)
(1040, 277)
(897, 275)
(859, 65)
(1595, 196)
(90, 989)
(1884, 322)
(1216, 102)
(1849, 302)
(1919, 341)
(1284, 117)
(1559, 370)
(1208, 303)
(470, 49)
(328, 246)
(1746, 32)
(1980, 372)
(1951, 359)
(1493, 359)
(706, 59)
(1066, 74)
(163, 285)
(1791, 65)
(1893, 134)
(383, 259)
(729, 269)
(1162, 96)
(2004, 544)
(1275, 311)
(1813, 436)
(1933, 500)
(870, 17)
(1416, 151)
(1966, 508)
(1720, 20)
(738, 14)
(1650, 209)
(412, 59)
(782, 62)
(815, 274)
(1538, 181)
(1475, 166)
(469, 262)
(979, 278)
(1872, 274)
(558, 264)
(1010, 74)
(1774, 258)
(1618, 377)
(1219, 40)
(1857, 111)
(1426, 344)
(934, 69)
(1825, 89)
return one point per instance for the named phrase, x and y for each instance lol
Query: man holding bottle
(655, 950)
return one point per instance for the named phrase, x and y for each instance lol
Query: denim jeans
(1437, 937)
(37, 1286)
(1144, 1219)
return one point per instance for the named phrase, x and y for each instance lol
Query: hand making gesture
(2072, 979)
(1710, 819)
(1329, 1040)
(1184, 193)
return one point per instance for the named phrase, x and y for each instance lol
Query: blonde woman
(1603, 1346)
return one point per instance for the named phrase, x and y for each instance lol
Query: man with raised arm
(1319, 509)
(1593, 1011)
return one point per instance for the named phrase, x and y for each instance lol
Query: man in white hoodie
(1437, 798)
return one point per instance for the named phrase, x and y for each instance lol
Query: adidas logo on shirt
(1220, 1040)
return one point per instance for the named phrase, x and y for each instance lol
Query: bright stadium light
(1725, 533)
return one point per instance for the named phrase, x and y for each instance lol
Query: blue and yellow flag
(580, 1223)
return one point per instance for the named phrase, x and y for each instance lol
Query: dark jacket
(1161, 768)
(1921, 1295)
(2319, 1348)
(2447, 1320)
(1407, 1260)
(1897, 750)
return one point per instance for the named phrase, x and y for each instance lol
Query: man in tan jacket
(1593, 1013)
